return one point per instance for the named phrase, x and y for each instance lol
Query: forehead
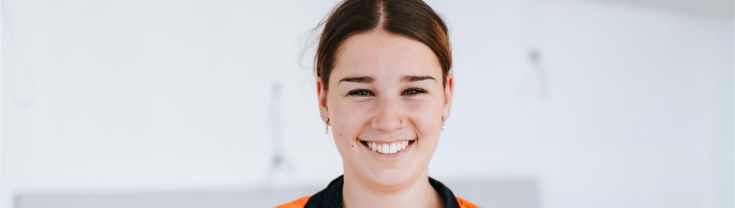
(378, 53)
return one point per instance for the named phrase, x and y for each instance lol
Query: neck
(415, 193)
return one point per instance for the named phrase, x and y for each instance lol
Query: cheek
(349, 118)
(427, 120)
(426, 115)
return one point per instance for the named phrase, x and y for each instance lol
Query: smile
(388, 148)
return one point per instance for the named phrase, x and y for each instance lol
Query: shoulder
(463, 203)
(298, 203)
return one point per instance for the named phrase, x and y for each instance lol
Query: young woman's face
(385, 104)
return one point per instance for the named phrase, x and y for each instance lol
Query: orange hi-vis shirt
(331, 197)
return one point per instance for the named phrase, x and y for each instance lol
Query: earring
(444, 118)
(326, 126)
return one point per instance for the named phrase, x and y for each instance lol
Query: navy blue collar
(331, 197)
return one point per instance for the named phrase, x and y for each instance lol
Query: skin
(384, 88)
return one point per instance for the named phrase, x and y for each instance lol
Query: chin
(392, 177)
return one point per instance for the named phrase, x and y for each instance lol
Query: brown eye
(413, 91)
(360, 93)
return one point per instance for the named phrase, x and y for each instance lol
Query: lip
(388, 157)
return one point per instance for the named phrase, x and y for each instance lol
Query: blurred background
(558, 104)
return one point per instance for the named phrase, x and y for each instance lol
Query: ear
(448, 92)
(322, 96)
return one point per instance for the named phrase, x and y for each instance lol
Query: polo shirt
(331, 197)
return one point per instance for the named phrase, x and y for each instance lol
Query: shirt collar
(331, 197)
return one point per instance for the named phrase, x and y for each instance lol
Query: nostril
(387, 124)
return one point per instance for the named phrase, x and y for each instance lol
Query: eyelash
(414, 91)
(364, 92)
(360, 93)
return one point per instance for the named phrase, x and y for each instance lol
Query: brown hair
(413, 19)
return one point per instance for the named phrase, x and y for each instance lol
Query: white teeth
(385, 148)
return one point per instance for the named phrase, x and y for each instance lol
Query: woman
(385, 88)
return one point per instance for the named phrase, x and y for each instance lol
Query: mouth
(388, 148)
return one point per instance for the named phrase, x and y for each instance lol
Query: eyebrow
(363, 79)
(367, 79)
(417, 78)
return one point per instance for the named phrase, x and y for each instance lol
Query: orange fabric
(301, 202)
(465, 204)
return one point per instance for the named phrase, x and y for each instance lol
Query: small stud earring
(444, 118)
(326, 126)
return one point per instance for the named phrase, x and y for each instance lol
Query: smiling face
(385, 103)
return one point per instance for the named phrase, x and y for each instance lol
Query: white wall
(627, 107)
(633, 111)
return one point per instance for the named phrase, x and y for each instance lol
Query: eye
(413, 91)
(360, 93)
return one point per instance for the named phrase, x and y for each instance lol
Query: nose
(388, 115)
